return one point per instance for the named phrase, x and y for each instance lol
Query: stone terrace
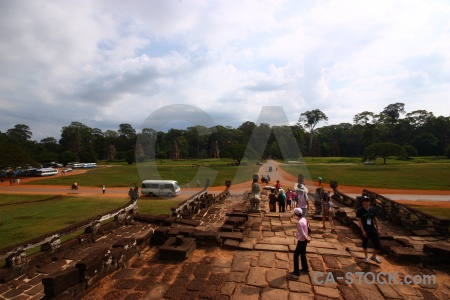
(251, 261)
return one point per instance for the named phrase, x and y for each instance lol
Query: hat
(281, 191)
(298, 211)
(301, 189)
(365, 198)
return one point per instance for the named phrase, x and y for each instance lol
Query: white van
(169, 188)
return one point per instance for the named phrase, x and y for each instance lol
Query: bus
(46, 172)
(89, 165)
(169, 188)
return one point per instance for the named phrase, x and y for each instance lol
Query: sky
(108, 62)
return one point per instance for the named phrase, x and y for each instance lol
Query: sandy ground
(287, 180)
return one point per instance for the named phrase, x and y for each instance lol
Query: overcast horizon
(107, 62)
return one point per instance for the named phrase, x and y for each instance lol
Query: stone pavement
(256, 266)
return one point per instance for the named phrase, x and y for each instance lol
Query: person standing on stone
(326, 212)
(302, 241)
(368, 222)
(278, 185)
(289, 199)
(281, 201)
(302, 201)
(272, 201)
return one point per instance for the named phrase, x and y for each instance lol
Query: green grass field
(415, 174)
(122, 175)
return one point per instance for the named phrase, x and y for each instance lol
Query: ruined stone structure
(139, 151)
(214, 152)
(111, 152)
(174, 150)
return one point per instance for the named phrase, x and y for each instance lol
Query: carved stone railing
(406, 216)
(16, 255)
(196, 202)
(400, 214)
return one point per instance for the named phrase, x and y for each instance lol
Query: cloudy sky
(108, 62)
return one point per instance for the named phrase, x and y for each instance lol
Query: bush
(447, 151)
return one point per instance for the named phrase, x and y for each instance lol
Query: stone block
(232, 235)
(177, 248)
(60, 281)
(406, 254)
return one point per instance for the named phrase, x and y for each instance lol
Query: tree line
(417, 133)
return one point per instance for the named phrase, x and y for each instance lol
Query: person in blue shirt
(368, 222)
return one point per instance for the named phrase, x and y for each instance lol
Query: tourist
(289, 199)
(302, 200)
(187, 183)
(198, 183)
(281, 201)
(302, 241)
(326, 212)
(103, 189)
(272, 201)
(368, 222)
(278, 185)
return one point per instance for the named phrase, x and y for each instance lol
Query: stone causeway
(232, 254)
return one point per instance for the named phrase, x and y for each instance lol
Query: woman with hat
(302, 200)
(302, 241)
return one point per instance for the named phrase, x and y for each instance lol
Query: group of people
(368, 223)
(292, 198)
(12, 181)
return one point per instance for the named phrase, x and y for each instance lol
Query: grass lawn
(23, 217)
(415, 174)
(439, 212)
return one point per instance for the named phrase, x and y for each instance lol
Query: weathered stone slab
(329, 292)
(266, 259)
(298, 286)
(276, 278)
(318, 244)
(173, 250)
(257, 277)
(60, 281)
(388, 292)
(325, 251)
(270, 247)
(273, 294)
(246, 293)
(316, 264)
(277, 241)
(232, 235)
(240, 263)
(406, 254)
(245, 245)
(331, 262)
(348, 293)
(231, 244)
(367, 291)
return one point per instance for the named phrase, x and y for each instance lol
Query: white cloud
(109, 62)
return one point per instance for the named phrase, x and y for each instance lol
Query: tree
(384, 150)
(51, 145)
(235, 151)
(310, 119)
(76, 137)
(21, 133)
